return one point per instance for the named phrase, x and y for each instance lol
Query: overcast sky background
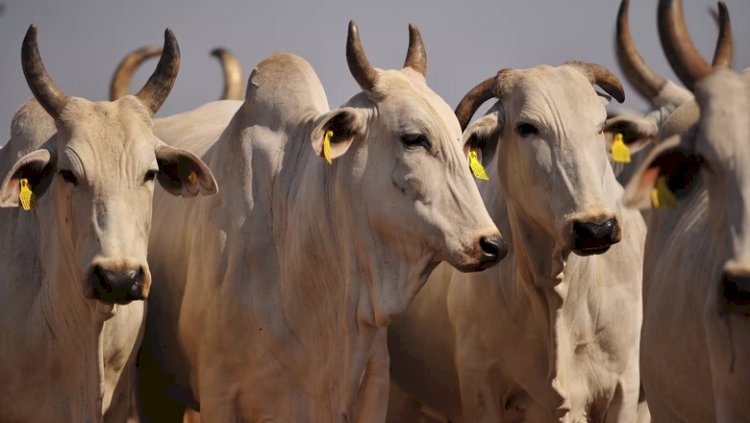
(81, 41)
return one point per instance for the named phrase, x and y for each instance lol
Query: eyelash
(526, 129)
(68, 177)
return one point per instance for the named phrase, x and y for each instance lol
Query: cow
(78, 181)
(328, 223)
(551, 333)
(694, 349)
(230, 66)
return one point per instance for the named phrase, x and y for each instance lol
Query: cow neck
(67, 326)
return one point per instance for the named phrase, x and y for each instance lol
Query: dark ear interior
(346, 124)
(681, 169)
(482, 136)
(182, 173)
(38, 167)
(636, 131)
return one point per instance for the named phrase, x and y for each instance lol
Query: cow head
(712, 153)
(552, 161)
(95, 180)
(404, 144)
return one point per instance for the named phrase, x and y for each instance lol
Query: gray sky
(81, 41)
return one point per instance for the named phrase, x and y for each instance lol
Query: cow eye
(526, 129)
(150, 175)
(68, 176)
(412, 141)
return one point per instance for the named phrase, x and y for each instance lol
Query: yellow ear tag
(620, 151)
(661, 196)
(476, 167)
(27, 197)
(327, 146)
(192, 177)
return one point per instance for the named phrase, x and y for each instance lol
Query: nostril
(490, 246)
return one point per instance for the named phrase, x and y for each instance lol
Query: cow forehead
(724, 99)
(554, 95)
(106, 133)
(405, 100)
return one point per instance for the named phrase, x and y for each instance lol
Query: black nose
(117, 287)
(594, 237)
(494, 249)
(735, 292)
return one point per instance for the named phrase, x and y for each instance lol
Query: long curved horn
(684, 58)
(468, 105)
(416, 57)
(232, 74)
(160, 83)
(47, 93)
(724, 53)
(602, 77)
(120, 84)
(359, 66)
(646, 81)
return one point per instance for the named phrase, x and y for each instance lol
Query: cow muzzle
(594, 237)
(487, 252)
(117, 286)
(735, 292)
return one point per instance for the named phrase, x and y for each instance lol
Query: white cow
(74, 266)
(552, 332)
(695, 348)
(296, 269)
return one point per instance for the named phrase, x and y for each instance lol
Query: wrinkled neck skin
(54, 352)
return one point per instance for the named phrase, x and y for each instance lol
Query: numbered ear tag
(327, 146)
(26, 196)
(476, 166)
(662, 196)
(620, 151)
(192, 177)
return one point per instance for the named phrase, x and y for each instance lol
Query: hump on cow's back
(30, 128)
(284, 87)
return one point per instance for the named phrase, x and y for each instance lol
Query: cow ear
(37, 168)
(668, 175)
(182, 173)
(482, 136)
(344, 124)
(637, 131)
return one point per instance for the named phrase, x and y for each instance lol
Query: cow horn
(645, 80)
(160, 83)
(724, 53)
(120, 85)
(47, 93)
(468, 105)
(602, 77)
(232, 74)
(687, 63)
(359, 66)
(416, 57)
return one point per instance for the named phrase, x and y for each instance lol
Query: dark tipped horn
(724, 53)
(416, 57)
(684, 58)
(645, 80)
(232, 74)
(47, 93)
(468, 105)
(359, 66)
(160, 83)
(602, 77)
(120, 85)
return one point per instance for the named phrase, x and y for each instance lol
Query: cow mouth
(591, 251)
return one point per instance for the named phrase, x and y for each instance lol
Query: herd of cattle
(347, 265)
